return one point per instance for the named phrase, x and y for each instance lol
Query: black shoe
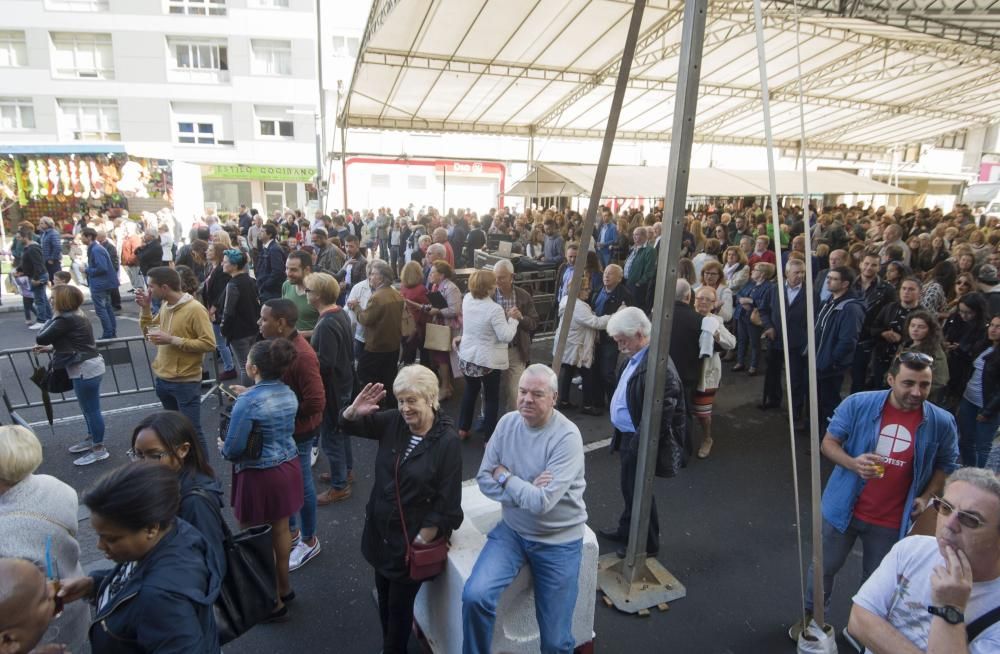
(620, 552)
(565, 405)
(612, 535)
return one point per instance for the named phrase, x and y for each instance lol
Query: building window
(346, 46)
(89, 120)
(953, 141)
(380, 181)
(272, 57)
(81, 55)
(13, 52)
(270, 4)
(200, 133)
(270, 127)
(198, 7)
(16, 113)
(200, 56)
(77, 5)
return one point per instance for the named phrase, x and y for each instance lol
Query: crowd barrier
(129, 372)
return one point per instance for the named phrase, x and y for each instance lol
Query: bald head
(26, 606)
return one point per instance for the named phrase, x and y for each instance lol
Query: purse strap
(399, 505)
(982, 623)
(227, 534)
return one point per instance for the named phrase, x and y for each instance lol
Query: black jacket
(430, 487)
(165, 606)
(476, 240)
(684, 343)
(876, 297)
(205, 517)
(771, 317)
(213, 292)
(616, 299)
(32, 263)
(112, 252)
(70, 335)
(891, 317)
(358, 273)
(991, 385)
(671, 454)
(333, 340)
(149, 255)
(240, 308)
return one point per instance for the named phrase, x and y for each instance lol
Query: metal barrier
(128, 362)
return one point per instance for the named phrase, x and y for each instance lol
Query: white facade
(210, 82)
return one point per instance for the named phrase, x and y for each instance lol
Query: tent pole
(637, 582)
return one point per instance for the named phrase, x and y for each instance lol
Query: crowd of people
(355, 324)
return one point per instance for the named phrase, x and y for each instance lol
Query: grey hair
(503, 264)
(382, 269)
(794, 262)
(437, 247)
(543, 371)
(981, 478)
(424, 239)
(417, 379)
(683, 289)
(370, 266)
(629, 322)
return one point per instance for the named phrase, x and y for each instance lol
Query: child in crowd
(61, 278)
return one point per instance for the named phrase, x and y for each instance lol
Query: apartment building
(227, 85)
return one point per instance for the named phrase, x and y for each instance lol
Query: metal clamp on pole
(637, 583)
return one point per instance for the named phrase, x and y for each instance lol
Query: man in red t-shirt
(893, 451)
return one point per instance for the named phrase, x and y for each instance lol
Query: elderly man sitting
(533, 466)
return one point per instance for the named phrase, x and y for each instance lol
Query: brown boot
(333, 495)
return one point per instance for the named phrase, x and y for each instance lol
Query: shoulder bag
(424, 561)
(255, 439)
(249, 589)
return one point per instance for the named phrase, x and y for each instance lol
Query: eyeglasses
(136, 455)
(309, 290)
(966, 519)
(918, 358)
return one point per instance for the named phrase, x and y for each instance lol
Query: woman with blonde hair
(734, 268)
(699, 236)
(712, 275)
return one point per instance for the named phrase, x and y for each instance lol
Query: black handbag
(249, 589)
(53, 377)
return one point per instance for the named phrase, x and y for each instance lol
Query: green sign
(263, 173)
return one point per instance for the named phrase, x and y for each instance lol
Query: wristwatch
(950, 614)
(504, 476)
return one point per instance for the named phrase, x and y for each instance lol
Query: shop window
(13, 52)
(16, 113)
(281, 128)
(77, 5)
(197, 133)
(271, 57)
(200, 55)
(87, 56)
(346, 46)
(89, 120)
(198, 7)
(953, 141)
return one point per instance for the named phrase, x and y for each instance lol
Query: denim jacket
(856, 424)
(272, 406)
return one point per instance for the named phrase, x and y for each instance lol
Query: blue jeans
(43, 310)
(223, 347)
(307, 515)
(747, 336)
(974, 438)
(556, 571)
(88, 396)
(184, 397)
(337, 447)
(102, 307)
(875, 542)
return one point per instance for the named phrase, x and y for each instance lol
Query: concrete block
(438, 608)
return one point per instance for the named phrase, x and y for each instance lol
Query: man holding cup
(898, 432)
(182, 333)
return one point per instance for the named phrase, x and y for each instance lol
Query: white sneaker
(302, 554)
(578, 380)
(83, 446)
(314, 455)
(92, 457)
(37, 325)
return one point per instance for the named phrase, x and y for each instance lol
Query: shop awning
(569, 180)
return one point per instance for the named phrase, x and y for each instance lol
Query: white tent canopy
(650, 182)
(875, 74)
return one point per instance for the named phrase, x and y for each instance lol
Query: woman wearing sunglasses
(168, 438)
(979, 409)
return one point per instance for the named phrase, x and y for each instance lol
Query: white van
(985, 195)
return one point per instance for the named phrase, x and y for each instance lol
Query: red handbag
(425, 561)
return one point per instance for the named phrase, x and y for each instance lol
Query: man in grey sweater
(533, 466)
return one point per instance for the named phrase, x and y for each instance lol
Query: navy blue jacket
(101, 273)
(52, 248)
(166, 605)
(204, 517)
(770, 316)
(838, 327)
(270, 271)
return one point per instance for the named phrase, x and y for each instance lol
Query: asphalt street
(728, 524)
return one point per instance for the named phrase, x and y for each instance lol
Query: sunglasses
(135, 455)
(918, 358)
(966, 519)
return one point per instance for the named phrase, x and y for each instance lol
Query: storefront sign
(263, 173)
